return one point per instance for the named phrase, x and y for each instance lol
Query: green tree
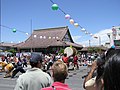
(61, 51)
(94, 49)
(12, 51)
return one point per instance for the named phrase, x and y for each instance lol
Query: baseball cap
(35, 57)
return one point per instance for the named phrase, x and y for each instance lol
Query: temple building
(49, 40)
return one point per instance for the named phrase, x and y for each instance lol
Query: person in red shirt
(60, 73)
(75, 61)
(65, 59)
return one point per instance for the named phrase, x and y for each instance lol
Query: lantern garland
(55, 7)
(67, 16)
(14, 30)
(71, 20)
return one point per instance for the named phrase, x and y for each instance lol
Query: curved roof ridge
(52, 28)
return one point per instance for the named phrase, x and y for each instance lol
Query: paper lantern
(71, 21)
(41, 37)
(27, 33)
(14, 30)
(44, 37)
(91, 34)
(54, 7)
(57, 38)
(83, 29)
(86, 32)
(76, 24)
(35, 36)
(67, 16)
(49, 37)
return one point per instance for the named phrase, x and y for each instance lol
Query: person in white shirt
(34, 78)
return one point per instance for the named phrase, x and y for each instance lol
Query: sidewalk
(75, 80)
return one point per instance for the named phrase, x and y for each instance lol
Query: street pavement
(74, 79)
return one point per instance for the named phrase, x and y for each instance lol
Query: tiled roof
(7, 44)
(44, 38)
(86, 48)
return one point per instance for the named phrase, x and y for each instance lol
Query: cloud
(76, 38)
(101, 40)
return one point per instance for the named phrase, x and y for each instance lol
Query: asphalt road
(74, 80)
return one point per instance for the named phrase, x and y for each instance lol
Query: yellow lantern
(76, 24)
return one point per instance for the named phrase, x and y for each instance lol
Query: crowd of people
(103, 74)
(12, 64)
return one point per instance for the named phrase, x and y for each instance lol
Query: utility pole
(31, 36)
(89, 43)
(99, 40)
(0, 22)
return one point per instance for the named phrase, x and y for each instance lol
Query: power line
(0, 22)
(13, 29)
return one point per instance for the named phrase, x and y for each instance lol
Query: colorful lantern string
(86, 32)
(27, 33)
(91, 34)
(35, 36)
(76, 24)
(83, 29)
(67, 16)
(71, 21)
(54, 7)
(14, 30)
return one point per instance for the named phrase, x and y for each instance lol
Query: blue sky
(94, 15)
